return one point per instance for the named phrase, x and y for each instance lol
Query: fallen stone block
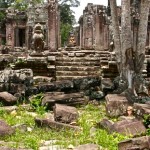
(7, 98)
(139, 143)
(55, 125)
(87, 147)
(141, 110)
(106, 124)
(5, 129)
(38, 79)
(65, 114)
(116, 105)
(68, 99)
(9, 108)
(130, 127)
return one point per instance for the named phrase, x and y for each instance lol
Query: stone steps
(76, 68)
(71, 77)
(75, 63)
(81, 59)
(94, 63)
(76, 73)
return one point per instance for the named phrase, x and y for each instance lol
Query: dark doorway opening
(20, 37)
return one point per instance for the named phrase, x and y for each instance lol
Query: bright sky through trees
(83, 3)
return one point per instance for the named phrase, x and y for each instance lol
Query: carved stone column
(53, 25)
(9, 35)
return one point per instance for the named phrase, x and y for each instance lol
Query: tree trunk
(127, 43)
(142, 35)
(116, 32)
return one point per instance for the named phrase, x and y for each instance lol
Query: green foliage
(71, 3)
(66, 15)
(36, 104)
(67, 18)
(65, 29)
(89, 116)
(146, 120)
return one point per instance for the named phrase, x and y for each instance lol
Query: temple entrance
(19, 37)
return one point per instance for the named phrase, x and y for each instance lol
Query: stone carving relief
(52, 5)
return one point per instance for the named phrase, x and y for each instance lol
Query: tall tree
(132, 57)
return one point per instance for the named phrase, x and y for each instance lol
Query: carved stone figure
(72, 41)
(38, 38)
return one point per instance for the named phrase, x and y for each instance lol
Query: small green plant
(36, 104)
(146, 120)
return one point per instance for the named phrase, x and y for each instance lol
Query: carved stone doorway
(20, 37)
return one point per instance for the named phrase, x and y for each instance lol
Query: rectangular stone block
(141, 109)
(65, 114)
(116, 105)
(129, 127)
(139, 143)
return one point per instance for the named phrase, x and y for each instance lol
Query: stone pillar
(97, 32)
(81, 31)
(9, 35)
(101, 33)
(58, 27)
(88, 22)
(53, 25)
(106, 37)
(29, 37)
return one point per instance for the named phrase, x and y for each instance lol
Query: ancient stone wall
(19, 25)
(15, 25)
(94, 33)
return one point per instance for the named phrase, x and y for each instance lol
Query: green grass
(89, 116)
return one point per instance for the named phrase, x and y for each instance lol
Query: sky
(83, 3)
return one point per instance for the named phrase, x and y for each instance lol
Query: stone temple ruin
(32, 61)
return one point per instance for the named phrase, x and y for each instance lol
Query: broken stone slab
(116, 105)
(21, 127)
(71, 54)
(139, 143)
(37, 79)
(6, 148)
(55, 125)
(65, 114)
(141, 110)
(55, 86)
(37, 58)
(68, 99)
(130, 127)
(106, 124)
(9, 108)
(5, 129)
(7, 98)
(80, 54)
(51, 58)
(53, 93)
(52, 147)
(88, 147)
